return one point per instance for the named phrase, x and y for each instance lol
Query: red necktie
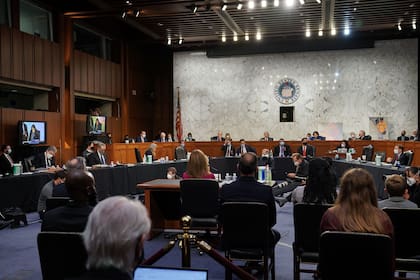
(304, 151)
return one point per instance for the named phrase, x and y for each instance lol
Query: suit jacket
(214, 138)
(94, 159)
(108, 273)
(287, 151)
(232, 150)
(310, 152)
(403, 138)
(139, 139)
(402, 158)
(39, 161)
(5, 165)
(248, 149)
(247, 188)
(366, 137)
(303, 169)
(269, 139)
(69, 218)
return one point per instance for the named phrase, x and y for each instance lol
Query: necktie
(281, 151)
(9, 159)
(102, 159)
(243, 149)
(304, 151)
(228, 151)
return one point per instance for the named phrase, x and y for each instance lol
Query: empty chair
(54, 202)
(410, 155)
(307, 218)
(62, 255)
(137, 153)
(355, 255)
(368, 152)
(247, 235)
(28, 164)
(406, 234)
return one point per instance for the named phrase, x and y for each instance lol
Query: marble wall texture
(236, 94)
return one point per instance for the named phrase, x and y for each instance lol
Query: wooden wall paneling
(33, 115)
(108, 89)
(77, 71)
(91, 74)
(83, 72)
(97, 75)
(38, 61)
(5, 52)
(17, 55)
(79, 131)
(57, 65)
(102, 70)
(48, 68)
(8, 128)
(114, 80)
(28, 57)
(118, 79)
(114, 126)
(54, 135)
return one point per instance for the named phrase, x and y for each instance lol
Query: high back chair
(368, 152)
(137, 153)
(406, 234)
(410, 155)
(355, 255)
(54, 202)
(307, 218)
(62, 255)
(247, 235)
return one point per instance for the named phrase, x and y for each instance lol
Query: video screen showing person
(96, 124)
(32, 132)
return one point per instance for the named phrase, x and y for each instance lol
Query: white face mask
(343, 145)
(169, 176)
(9, 151)
(143, 135)
(395, 151)
(296, 163)
(411, 181)
(282, 143)
(49, 156)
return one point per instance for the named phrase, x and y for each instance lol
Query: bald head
(79, 184)
(248, 164)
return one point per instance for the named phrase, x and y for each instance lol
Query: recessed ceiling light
(318, 1)
(346, 31)
(160, 24)
(333, 31)
(290, 3)
(258, 36)
(251, 4)
(263, 3)
(276, 3)
(399, 26)
(302, 2)
(223, 38)
(414, 25)
(239, 7)
(320, 33)
(246, 37)
(169, 41)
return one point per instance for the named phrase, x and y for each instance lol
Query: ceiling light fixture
(399, 26)
(235, 37)
(308, 33)
(318, 1)
(263, 3)
(414, 25)
(138, 13)
(320, 33)
(302, 2)
(169, 41)
(251, 4)
(333, 32)
(346, 31)
(224, 7)
(195, 8)
(290, 3)
(258, 36)
(239, 7)
(223, 38)
(246, 37)
(276, 3)
(180, 41)
(124, 14)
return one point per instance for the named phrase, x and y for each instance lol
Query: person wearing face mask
(171, 173)
(282, 149)
(344, 145)
(399, 156)
(142, 137)
(181, 151)
(6, 161)
(45, 159)
(352, 136)
(48, 189)
(228, 149)
(306, 150)
(189, 137)
(413, 182)
(245, 148)
(98, 157)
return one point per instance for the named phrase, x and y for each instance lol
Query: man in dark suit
(6, 161)
(162, 137)
(245, 148)
(189, 137)
(363, 136)
(282, 149)
(306, 150)
(97, 157)
(402, 137)
(266, 137)
(219, 137)
(45, 159)
(142, 137)
(181, 151)
(246, 188)
(228, 149)
(73, 217)
(399, 156)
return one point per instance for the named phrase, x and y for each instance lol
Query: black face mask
(304, 144)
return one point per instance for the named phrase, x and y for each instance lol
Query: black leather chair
(137, 153)
(246, 235)
(28, 164)
(307, 218)
(406, 235)
(368, 152)
(355, 255)
(54, 202)
(409, 154)
(382, 154)
(62, 255)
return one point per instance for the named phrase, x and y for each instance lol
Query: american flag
(178, 124)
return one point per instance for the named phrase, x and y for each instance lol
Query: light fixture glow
(318, 1)
(246, 37)
(251, 4)
(263, 3)
(346, 31)
(195, 8)
(180, 41)
(138, 13)
(124, 14)
(333, 32)
(308, 33)
(399, 27)
(235, 37)
(302, 2)
(258, 36)
(290, 3)
(223, 38)
(414, 25)
(239, 6)
(276, 3)
(320, 33)
(224, 7)
(169, 41)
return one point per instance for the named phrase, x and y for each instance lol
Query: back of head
(321, 183)
(198, 164)
(395, 185)
(76, 163)
(52, 149)
(114, 233)
(60, 174)
(247, 164)
(79, 184)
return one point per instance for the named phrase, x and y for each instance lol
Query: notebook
(165, 273)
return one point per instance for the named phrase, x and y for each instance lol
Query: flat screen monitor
(32, 132)
(158, 273)
(96, 125)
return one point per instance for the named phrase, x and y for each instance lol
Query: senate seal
(287, 91)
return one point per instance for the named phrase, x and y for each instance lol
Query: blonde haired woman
(198, 166)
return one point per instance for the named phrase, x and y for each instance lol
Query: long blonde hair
(356, 206)
(198, 165)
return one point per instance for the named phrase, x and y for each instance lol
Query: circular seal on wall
(287, 91)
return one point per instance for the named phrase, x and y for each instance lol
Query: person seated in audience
(244, 148)
(189, 137)
(265, 158)
(321, 184)
(151, 151)
(412, 175)
(80, 186)
(181, 151)
(399, 156)
(47, 191)
(6, 161)
(396, 187)
(282, 149)
(228, 149)
(363, 136)
(352, 136)
(413, 136)
(402, 137)
(266, 137)
(343, 147)
(162, 137)
(356, 207)
(99, 156)
(142, 137)
(316, 136)
(247, 188)
(89, 149)
(76, 163)
(169, 138)
(45, 159)
(171, 173)
(198, 166)
(219, 137)
(114, 237)
(306, 150)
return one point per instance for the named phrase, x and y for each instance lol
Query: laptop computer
(173, 273)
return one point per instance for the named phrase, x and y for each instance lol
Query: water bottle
(267, 174)
(378, 159)
(271, 153)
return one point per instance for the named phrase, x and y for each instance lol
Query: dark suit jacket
(403, 159)
(138, 139)
(309, 151)
(232, 150)
(403, 138)
(39, 161)
(94, 159)
(303, 169)
(70, 218)
(269, 139)
(180, 153)
(287, 151)
(5, 165)
(248, 149)
(247, 188)
(104, 274)
(214, 138)
(366, 137)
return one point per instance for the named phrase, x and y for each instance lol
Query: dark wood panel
(58, 65)
(114, 73)
(47, 54)
(108, 85)
(83, 72)
(118, 77)
(114, 126)
(102, 70)
(8, 128)
(97, 75)
(76, 71)
(28, 57)
(5, 52)
(17, 55)
(54, 135)
(39, 62)
(91, 74)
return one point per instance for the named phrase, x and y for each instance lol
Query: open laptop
(173, 273)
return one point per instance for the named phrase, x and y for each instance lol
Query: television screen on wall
(96, 125)
(32, 132)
